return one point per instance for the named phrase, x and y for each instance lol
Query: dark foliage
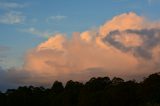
(96, 92)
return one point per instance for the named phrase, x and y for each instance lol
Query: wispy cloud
(56, 18)
(150, 2)
(11, 5)
(37, 32)
(12, 17)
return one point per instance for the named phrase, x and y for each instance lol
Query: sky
(39, 35)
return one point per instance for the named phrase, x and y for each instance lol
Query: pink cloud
(127, 45)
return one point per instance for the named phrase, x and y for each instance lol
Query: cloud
(58, 40)
(11, 78)
(139, 42)
(109, 50)
(3, 82)
(12, 17)
(151, 1)
(126, 46)
(11, 5)
(56, 18)
(37, 32)
(122, 22)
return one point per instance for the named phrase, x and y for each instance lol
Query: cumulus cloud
(120, 47)
(122, 22)
(127, 46)
(12, 17)
(139, 42)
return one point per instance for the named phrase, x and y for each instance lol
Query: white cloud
(12, 17)
(56, 18)
(37, 32)
(11, 5)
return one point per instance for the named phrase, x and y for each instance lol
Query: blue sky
(26, 23)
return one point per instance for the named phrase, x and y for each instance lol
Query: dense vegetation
(96, 92)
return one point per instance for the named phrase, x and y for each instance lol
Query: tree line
(100, 91)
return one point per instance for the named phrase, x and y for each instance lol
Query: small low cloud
(40, 33)
(12, 17)
(150, 2)
(11, 5)
(56, 18)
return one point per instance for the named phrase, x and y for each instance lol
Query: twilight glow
(66, 40)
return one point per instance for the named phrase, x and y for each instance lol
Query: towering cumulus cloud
(127, 46)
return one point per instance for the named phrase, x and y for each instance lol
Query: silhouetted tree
(57, 87)
(116, 81)
(95, 84)
(95, 92)
(151, 88)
